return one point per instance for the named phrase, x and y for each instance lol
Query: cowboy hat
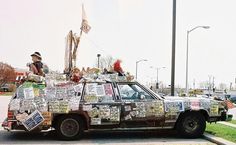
(37, 54)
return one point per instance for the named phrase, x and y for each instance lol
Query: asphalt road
(108, 138)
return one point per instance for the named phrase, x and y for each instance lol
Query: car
(5, 88)
(230, 97)
(233, 99)
(106, 104)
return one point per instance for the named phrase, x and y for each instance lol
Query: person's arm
(40, 72)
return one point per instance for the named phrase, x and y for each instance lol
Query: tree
(106, 62)
(7, 74)
(203, 85)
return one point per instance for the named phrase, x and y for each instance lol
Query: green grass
(222, 131)
(232, 121)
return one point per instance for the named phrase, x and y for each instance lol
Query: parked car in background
(5, 88)
(232, 98)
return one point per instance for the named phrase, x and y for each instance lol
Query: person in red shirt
(76, 75)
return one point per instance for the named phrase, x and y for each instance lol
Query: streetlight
(137, 67)
(98, 55)
(186, 85)
(157, 68)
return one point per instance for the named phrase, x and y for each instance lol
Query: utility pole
(173, 49)
(209, 87)
(213, 83)
(98, 55)
(157, 69)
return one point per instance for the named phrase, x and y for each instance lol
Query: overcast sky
(126, 29)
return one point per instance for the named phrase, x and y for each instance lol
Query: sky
(129, 30)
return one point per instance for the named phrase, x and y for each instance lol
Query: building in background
(20, 74)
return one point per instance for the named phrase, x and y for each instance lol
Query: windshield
(150, 91)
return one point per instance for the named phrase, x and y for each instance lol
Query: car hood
(195, 103)
(177, 98)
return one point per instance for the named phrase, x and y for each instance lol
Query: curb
(217, 140)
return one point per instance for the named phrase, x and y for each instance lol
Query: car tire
(69, 127)
(191, 125)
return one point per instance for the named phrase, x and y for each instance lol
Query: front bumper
(223, 116)
(7, 125)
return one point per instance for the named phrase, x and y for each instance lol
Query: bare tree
(222, 86)
(203, 85)
(7, 74)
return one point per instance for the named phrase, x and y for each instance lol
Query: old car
(101, 104)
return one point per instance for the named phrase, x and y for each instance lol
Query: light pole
(186, 85)
(98, 55)
(136, 75)
(157, 69)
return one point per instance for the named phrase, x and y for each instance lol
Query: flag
(84, 26)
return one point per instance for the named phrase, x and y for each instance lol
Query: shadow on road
(91, 137)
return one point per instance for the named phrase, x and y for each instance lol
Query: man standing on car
(37, 66)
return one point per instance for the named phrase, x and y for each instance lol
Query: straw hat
(37, 54)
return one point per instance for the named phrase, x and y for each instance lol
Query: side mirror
(78, 93)
(142, 97)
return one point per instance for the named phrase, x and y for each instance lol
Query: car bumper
(223, 116)
(7, 125)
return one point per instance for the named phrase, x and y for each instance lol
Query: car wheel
(69, 127)
(191, 125)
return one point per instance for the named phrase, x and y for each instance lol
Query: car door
(99, 101)
(140, 108)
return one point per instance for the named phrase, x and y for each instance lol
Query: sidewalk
(227, 124)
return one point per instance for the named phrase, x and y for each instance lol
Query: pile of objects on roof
(114, 74)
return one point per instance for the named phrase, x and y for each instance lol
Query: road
(98, 138)
(4, 100)
(108, 138)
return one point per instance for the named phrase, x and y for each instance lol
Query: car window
(232, 98)
(98, 92)
(133, 92)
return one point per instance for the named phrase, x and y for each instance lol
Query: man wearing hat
(37, 66)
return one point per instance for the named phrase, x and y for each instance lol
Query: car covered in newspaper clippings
(105, 102)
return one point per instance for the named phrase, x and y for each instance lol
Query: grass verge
(6, 93)
(232, 121)
(222, 131)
